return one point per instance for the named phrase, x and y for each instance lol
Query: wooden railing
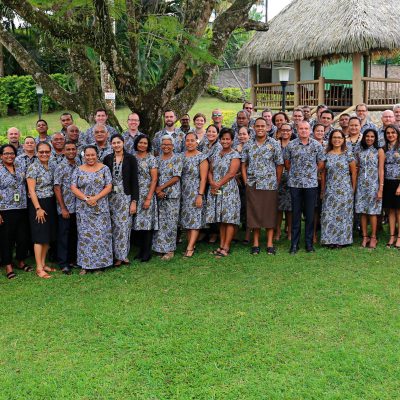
(381, 91)
(270, 95)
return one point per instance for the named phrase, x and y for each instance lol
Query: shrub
(18, 94)
(231, 95)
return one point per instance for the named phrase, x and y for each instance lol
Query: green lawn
(26, 123)
(311, 326)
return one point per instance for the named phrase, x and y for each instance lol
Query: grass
(26, 123)
(310, 326)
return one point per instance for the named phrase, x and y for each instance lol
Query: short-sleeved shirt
(368, 125)
(56, 159)
(103, 151)
(12, 189)
(46, 140)
(44, 179)
(178, 136)
(63, 178)
(167, 169)
(129, 141)
(392, 164)
(381, 137)
(24, 161)
(89, 134)
(262, 161)
(304, 159)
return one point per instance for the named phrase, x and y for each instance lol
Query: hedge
(18, 94)
(231, 95)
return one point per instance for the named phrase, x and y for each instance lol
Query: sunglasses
(217, 115)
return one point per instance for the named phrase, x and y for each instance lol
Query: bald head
(388, 118)
(13, 135)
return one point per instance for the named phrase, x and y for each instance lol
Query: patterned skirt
(94, 240)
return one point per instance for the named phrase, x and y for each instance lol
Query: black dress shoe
(310, 249)
(66, 271)
(293, 249)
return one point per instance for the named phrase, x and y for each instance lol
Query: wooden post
(253, 81)
(321, 90)
(357, 74)
(297, 74)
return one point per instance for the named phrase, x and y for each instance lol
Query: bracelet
(39, 208)
(199, 194)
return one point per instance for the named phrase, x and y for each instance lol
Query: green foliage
(230, 95)
(18, 94)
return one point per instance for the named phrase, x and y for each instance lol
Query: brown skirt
(262, 208)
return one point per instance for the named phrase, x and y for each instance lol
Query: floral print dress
(146, 220)
(164, 240)
(121, 220)
(367, 182)
(338, 201)
(93, 223)
(191, 217)
(224, 207)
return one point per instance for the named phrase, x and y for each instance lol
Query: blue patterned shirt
(381, 137)
(304, 161)
(63, 178)
(262, 161)
(23, 161)
(12, 189)
(129, 141)
(89, 134)
(179, 140)
(47, 140)
(102, 151)
(167, 169)
(44, 179)
(392, 164)
(368, 125)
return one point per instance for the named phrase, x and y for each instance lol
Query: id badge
(16, 197)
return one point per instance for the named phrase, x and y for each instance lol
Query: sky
(274, 6)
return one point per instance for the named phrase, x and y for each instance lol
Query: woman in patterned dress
(13, 212)
(370, 161)
(42, 207)
(211, 143)
(338, 185)
(146, 220)
(391, 190)
(244, 137)
(91, 183)
(168, 192)
(123, 198)
(223, 199)
(199, 120)
(284, 199)
(193, 184)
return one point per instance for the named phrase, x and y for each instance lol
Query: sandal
(83, 272)
(167, 256)
(118, 263)
(25, 267)
(222, 253)
(187, 255)
(11, 275)
(125, 262)
(373, 242)
(390, 243)
(215, 252)
(365, 241)
(41, 273)
(397, 246)
(46, 268)
(255, 250)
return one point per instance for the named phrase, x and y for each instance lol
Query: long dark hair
(397, 144)
(329, 147)
(363, 142)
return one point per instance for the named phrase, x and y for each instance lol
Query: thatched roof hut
(326, 29)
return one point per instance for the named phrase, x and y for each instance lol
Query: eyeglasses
(44, 152)
(8, 154)
(248, 108)
(217, 115)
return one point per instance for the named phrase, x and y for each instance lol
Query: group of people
(83, 194)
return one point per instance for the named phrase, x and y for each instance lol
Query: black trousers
(144, 243)
(67, 240)
(303, 200)
(14, 233)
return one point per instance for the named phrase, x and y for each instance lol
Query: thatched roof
(307, 29)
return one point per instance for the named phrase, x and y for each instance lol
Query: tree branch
(252, 25)
(65, 31)
(59, 94)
